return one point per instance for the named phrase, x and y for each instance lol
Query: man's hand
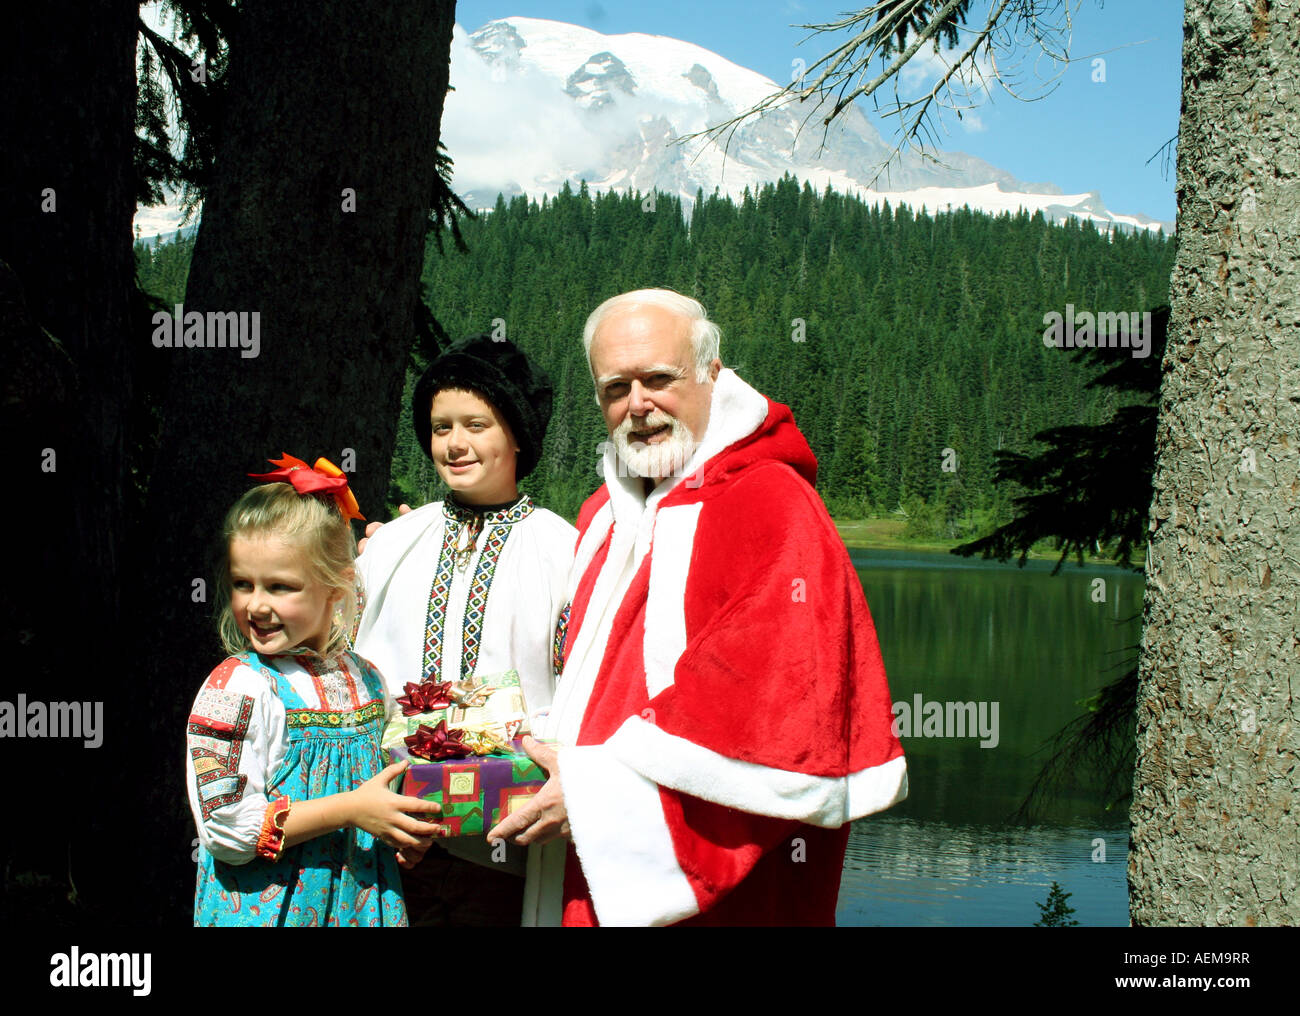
(402, 509)
(544, 817)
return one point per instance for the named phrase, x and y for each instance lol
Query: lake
(957, 631)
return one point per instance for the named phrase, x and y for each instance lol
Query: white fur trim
(590, 543)
(877, 788)
(736, 411)
(626, 492)
(544, 885)
(687, 767)
(589, 643)
(665, 612)
(623, 842)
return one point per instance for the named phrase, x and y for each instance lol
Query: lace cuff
(270, 842)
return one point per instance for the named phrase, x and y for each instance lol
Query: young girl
(473, 584)
(296, 824)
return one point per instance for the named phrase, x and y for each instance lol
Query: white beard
(665, 458)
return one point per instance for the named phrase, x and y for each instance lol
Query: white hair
(705, 335)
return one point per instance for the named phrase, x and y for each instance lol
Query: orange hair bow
(323, 478)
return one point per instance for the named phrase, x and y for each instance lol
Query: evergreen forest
(909, 345)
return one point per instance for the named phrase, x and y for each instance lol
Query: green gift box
(475, 792)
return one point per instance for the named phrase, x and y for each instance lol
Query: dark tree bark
(316, 222)
(1217, 788)
(67, 78)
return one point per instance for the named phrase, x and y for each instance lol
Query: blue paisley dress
(266, 731)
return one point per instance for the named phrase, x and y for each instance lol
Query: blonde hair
(316, 526)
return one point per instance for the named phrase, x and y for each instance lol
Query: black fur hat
(499, 372)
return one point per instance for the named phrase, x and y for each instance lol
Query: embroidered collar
(489, 515)
(308, 656)
(495, 527)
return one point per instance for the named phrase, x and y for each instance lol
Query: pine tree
(1055, 913)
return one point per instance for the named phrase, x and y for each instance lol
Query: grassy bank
(887, 534)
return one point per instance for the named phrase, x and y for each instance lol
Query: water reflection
(961, 631)
(901, 872)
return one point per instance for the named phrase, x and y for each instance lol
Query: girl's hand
(409, 857)
(377, 810)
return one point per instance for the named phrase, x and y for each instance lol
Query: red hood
(777, 439)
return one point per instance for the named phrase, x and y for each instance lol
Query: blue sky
(1086, 135)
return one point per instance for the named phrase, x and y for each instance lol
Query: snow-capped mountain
(540, 102)
(536, 104)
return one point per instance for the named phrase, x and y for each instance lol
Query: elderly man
(722, 714)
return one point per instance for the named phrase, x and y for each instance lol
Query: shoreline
(887, 534)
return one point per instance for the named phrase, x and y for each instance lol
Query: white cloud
(511, 124)
(506, 125)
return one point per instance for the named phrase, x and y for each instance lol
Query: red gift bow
(323, 478)
(425, 697)
(437, 743)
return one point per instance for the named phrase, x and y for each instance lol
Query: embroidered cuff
(270, 842)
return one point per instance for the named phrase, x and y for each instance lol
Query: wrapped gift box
(504, 712)
(475, 792)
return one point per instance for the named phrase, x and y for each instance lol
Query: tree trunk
(67, 74)
(316, 223)
(1215, 794)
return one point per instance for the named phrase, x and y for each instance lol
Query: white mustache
(664, 458)
(650, 423)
